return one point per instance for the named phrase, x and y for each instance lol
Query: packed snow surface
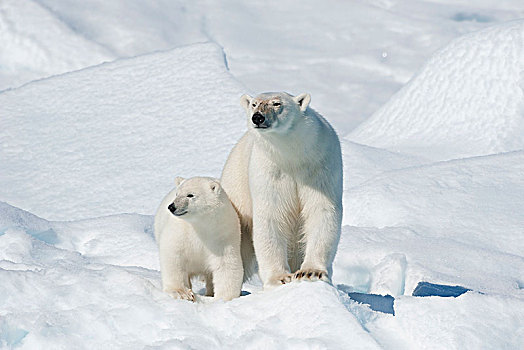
(433, 189)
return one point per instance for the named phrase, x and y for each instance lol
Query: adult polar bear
(284, 178)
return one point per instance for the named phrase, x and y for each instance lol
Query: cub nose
(171, 207)
(258, 118)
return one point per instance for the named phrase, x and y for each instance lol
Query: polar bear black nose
(171, 207)
(258, 118)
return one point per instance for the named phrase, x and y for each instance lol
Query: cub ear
(215, 186)
(303, 101)
(178, 180)
(245, 101)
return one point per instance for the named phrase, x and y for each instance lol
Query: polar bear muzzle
(258, 119)
(176, 211)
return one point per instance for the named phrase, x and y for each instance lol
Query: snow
(445, 199)
(433, 188)
(36, 44)
(112, 138)
(470, 321)
(466, 101)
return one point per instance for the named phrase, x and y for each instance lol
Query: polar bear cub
(198, 234)
(284, 178)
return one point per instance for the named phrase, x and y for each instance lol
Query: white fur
(203, 241)
(285, 181)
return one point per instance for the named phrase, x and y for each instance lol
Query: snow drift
(467, 100)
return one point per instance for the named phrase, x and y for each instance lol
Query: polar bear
(284, 178)
(198, 234)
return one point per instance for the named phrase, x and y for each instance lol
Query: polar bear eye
(190, 195)
(276, 104)
(253, 104)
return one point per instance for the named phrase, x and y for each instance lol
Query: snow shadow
(376, 302)
(426, 289)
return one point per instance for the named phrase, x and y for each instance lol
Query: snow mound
(467, 100)
(84, 144)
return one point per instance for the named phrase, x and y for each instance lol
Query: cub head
(274, 111)
(196, 197)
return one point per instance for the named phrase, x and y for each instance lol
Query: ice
(433, 181)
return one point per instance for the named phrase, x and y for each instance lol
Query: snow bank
(111, 138)
(467, 100)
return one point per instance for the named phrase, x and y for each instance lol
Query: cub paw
(184, 294)
(282, 279)
(311, 275)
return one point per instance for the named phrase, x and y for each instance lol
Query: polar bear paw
(284, 278)
(310, 275)
(184, 294)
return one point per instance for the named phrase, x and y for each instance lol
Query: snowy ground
(434, 175)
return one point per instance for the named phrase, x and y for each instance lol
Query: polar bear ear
(215, 186)
(245, 101)
(178, 180)
(303, 101)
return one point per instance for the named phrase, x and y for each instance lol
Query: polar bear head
(274, 111)
(196, 197)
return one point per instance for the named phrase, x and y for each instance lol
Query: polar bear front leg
(270, 190)
(175, 280)
(270, 247)
(322, 220)
(177, 285)
(228, 282)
